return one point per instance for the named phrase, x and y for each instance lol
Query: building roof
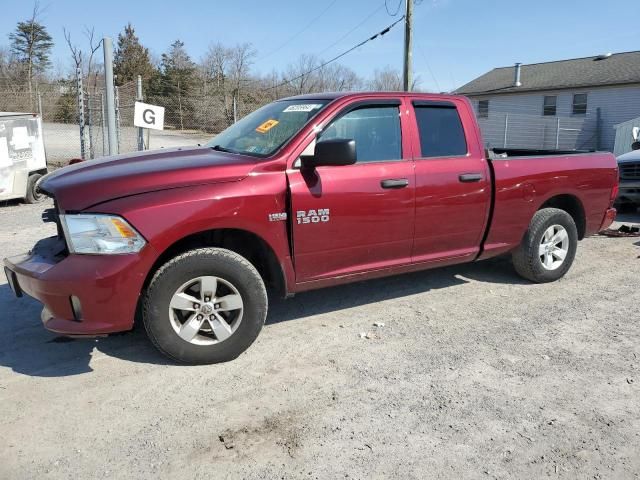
(617, 69)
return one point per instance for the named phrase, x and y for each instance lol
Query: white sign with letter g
(148, 116)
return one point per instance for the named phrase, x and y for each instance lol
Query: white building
(566, 104)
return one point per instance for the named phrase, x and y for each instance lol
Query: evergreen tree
(178, 82)
(66, 108)
(31, 45)
(131, 58)
(178, 71)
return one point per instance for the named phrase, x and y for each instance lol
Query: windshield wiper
(218, 148)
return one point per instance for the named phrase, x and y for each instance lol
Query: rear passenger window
(441, 133)
(376, 131)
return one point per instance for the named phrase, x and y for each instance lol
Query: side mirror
(333, 152)
(635, 146)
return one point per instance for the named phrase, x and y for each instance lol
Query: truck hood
(85, 184)
(633, 156)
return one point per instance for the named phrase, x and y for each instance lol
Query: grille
(630, 171)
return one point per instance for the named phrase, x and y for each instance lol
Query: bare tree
(336, 78)
(214, 66)
(387, 79)
(301, 76)
(11, 78)
(225, 73)
(76, 52)
(240, 60)
(93, 48)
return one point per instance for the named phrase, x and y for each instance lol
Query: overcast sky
(455, 40)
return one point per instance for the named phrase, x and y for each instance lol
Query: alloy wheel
(554, 247)
(206, 310)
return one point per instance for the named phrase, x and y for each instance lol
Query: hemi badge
(277, 217)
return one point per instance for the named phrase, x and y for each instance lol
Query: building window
(549, 107)
(579, 104)
(483, 109)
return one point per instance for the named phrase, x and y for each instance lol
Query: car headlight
(100, 234)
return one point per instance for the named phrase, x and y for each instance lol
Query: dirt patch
(282, 431)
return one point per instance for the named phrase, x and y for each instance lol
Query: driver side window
(376, 131)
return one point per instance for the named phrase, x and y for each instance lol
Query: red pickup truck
(306, 192)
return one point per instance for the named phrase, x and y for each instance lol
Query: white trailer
(22, 156)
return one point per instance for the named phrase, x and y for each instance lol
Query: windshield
(264, 131)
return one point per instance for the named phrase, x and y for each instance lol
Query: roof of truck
(335, 95)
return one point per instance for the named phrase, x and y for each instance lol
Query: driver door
(356, 218)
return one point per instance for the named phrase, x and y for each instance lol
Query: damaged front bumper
(81, 294)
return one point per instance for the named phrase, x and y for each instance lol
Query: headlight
(100, 234)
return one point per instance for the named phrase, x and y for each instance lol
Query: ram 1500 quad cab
(306, 192)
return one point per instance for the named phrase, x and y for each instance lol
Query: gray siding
(528, 128)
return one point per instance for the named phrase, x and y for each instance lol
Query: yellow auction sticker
(266, 126)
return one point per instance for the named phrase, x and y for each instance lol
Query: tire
(33, 194)
(170, 316)
(528, 259)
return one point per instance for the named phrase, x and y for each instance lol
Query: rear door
(355, 218)
(453, 184)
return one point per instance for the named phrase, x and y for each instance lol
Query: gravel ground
(475, 374)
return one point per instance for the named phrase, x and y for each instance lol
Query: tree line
(207, 93)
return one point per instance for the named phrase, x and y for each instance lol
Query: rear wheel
(205, 306)
(34, 195)
(548, 248)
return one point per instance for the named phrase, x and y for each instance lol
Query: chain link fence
(519, 130)
(57, 104)
(188, 120)
(193, 118)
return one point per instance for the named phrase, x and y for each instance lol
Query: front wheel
(548, 248)
(205, 306)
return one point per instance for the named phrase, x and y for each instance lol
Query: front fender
(167, 216)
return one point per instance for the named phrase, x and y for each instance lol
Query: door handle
(394, 183)
(470, 177)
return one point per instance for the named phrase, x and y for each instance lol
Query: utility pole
(139, 98)
(407, 72)
(107, 46)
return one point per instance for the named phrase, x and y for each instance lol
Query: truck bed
(530, 152)
(522, 182)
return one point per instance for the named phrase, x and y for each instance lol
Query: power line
(352, 30)
(397, 8)
(296, 35)
(379, 34)
(424, 57)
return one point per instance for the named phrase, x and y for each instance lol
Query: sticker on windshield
(266, 126)
(304, 107)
